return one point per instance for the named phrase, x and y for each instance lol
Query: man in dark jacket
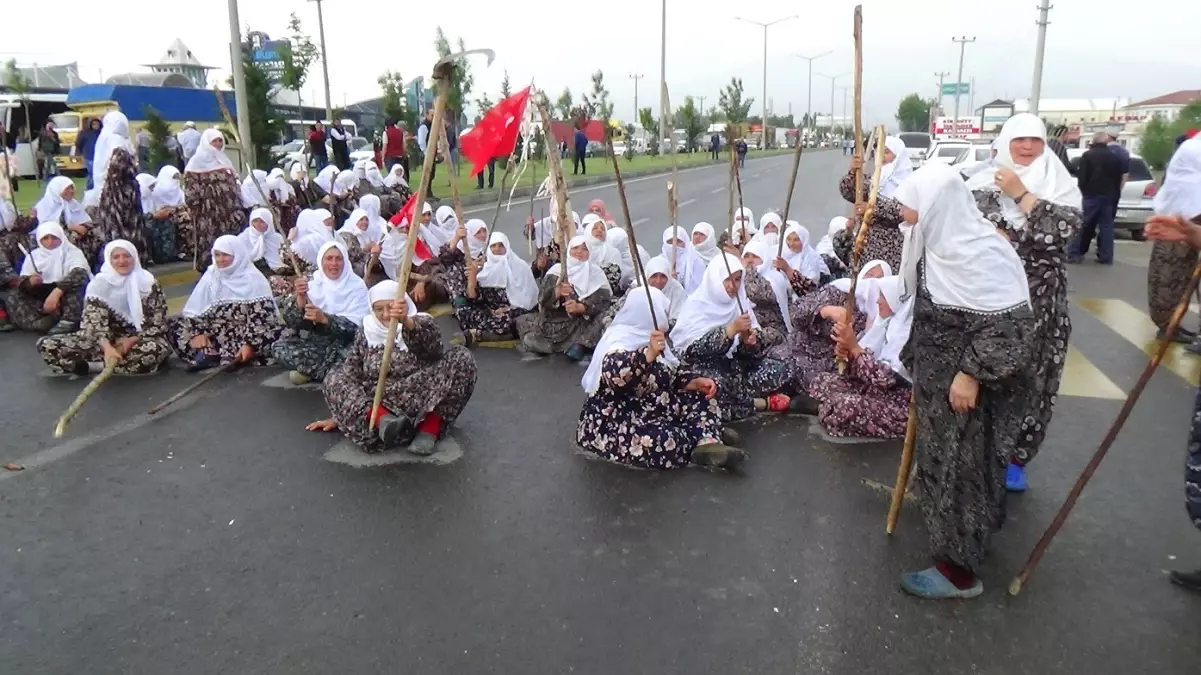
(85, 145)
(581, 149)
(1100, 178)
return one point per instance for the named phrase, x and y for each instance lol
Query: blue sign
(267, 53)
(949, 89)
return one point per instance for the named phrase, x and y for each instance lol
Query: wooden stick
(861, 239)
(500, 196)
(857, 36)
(406, 264)
(796, 164)
(639, 273)
(554, 167)
(730, 192)
(533, 191)
(194, 386)
(903, 471)
(738, 183)
(1061, 516)
(110, 366)
(672, 211)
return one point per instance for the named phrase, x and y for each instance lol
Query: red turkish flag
(497, 132)
(406, 211)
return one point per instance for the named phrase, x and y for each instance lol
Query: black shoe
(44, 324)
(205, 362)
(731, 437)
(81, 368)
(718, 455)
(1181, 336)
(803, 404)
(1189, 580)
(6, 326)
(392, 428)
(1075, 260)
(64, 327)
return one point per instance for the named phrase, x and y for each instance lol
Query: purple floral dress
(884, 237)
(869, 401)
(63, 352)
(741, 378)
(229, 327)
(808, 349)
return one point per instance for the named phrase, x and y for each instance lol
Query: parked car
(360, 148)
(973, 155)
(948, 152)
(918, 142)
(1136, 204)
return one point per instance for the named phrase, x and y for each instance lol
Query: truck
(43, 107)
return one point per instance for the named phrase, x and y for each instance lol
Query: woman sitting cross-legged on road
(497, 293)
(49, 296)
(325, 314)
(569, 309)
(427, 385)
(643, 408)
(230, 315)
(124, 319)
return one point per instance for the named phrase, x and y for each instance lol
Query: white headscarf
(681, 250)
(396, 241)
(52, 206)
(442, 228)
(887, 336)
(310, 234)
(1181, 191)
(251, 196)
(806, 261)
(263, 245)
(278, 187)
(376, 331)
(360, 170)
(373, 175)
(146, 188)
(826, 245)
(600, 252)
(8, 214)
(586, 276)
(208, 158)
(699, 256)
(710, 306)
(510, 272)
(325, 177)
(769, 218)
(370, 204)
(54, 264)
(616, 239)
(895, 172)
(114, 135)
(344, 183)
(371, 235)
(240, 282)
(345, 296)
(630, 331)
(475, 247)
(123, 293)
(844, 285)
(1046, 177)
(298, 173)
(779, 285)
(674, 290)
(396, 177)
(968, 265)
(739, 216)
(167, 193)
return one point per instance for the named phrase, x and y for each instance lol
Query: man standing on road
(1124, 158)
(715, 146)
(1100, 179)
(189, 140)
(581, 149)
(317, 148)
(423, 142)
(339, 141)
(85, 145)
(394, 148)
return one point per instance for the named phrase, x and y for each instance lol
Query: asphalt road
(217, 539)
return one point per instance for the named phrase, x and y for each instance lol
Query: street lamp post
(833, 80)
(765, 26)
(329, 111)
(962, 42)
(1036, 89)
(811, 59)
(635, 78)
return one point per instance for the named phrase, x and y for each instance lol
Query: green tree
(564, 105)
(715, 114)
(1157, 143)
(298, 55)
(484, 104)
(693, 124)
(629, 153)
(160, 132)
(597, 103)
(392, 103)
(913, 113)
(461, 81)
(732, 104)
(648, 122)
(266, 125)
(783, 121)
(505, 90)
(20, 85)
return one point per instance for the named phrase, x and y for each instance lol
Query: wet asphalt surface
(216, 538)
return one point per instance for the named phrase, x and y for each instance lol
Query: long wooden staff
(730, 190)
(25, 252)
(903, 471)
(1061, 516)
(110, 366)
(229, 368)
(554, 167)
(406, 264)
(796, 164)
(861, 238)
(672, 210)
(500, 196)
(530, 235)
(741, 220)
(857, 35)
(640, 274)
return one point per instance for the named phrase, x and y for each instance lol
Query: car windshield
(358, 143)
(950, 151)
(293, 146)
(65, 121)
(919, 141)
(983, 154)
(1139, 170)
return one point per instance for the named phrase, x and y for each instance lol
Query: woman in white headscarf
(744, 226)
(373, 177)
(230, 317)
(362, 238)
(325, 312)
(676, 244)
(607, 257)
(314, 228)
(643, 408)
(426, 285)
(719, 337)
(124, 320)
(254, 189)
(825, 247)
(396, 178)
(114, 135)
(970, 346)
(393, 190)
(49, 294)
(214, 199)
(325, 180)
(308, 193)
(871, 399)
(704, 249)
(569, 306)
(658, 274)
(470, 242)
(427, 387)
(58, 205)
(118, 196)
(344, 197)
(884, 238)
(164, 211)
(264, 248)
(498, 292)
(616, 239)
(770, 226)
(798, 261)
(283, 197)
(442, 229)
(1028, 193)
(769, 292)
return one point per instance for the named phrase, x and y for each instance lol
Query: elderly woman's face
(598, 230)
(698, 238)
(580, 252)
(260, 225)
(332, 263)
(222, 259)
(889, 155)
(732, 283)
(482, 235)
(1025, 150)
(218, 143)
(49, 242)
(658, 280)
(121, 260)
(380, 309)
(794, 242)
(498, 249)
(751, 260)
(68, 192)
(362, 224)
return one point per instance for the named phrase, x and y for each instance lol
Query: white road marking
(686, 202)
(641, 221)
(716, 190)
(755, 175)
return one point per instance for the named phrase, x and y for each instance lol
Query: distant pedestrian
(479, 178)
(317, 148)
(85, 147)
(143, 143)
(1100, 179)
(189, 140)
(742, 149)
(581, 149)
(340, 143)
(423, 143)
(394, 147)
(715, 146)
(47, 148)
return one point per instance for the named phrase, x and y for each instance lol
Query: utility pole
(962, 42)
(329, 111)
(1036, 89)
(235, 53)
(809, 106)
(765, 26)
(938, 106)
(702, 100)
(635, 78)
(663, 116)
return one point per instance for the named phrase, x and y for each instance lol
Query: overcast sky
(1095, 48)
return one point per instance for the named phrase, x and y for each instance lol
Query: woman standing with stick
(214, 199)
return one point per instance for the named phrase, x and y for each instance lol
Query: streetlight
(811, 59)
(329, 112)
(635, 78)
(765, 27)
(833, 80)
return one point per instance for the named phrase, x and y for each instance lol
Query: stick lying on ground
(110, 366)
(194, 386)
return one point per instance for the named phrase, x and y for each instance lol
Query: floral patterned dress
(869, 401)
(1168, 274)
(551, 330)
(119, 215)
(214, 199)
(424, 378)
(1192, 467)
(164, 234)
(25, 302)
(640, 414)
(962, 463)
(884, 237)
(481, 313)
(1042, 244)
(767, 308)
(229, 327)
(357, 254)
(63, 352)
(309, 348)
(741, 378)
(808, 349)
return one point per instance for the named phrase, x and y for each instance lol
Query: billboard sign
(267, 53)
(950, 89)
(947, 127)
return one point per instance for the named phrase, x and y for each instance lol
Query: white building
(1166, 107)
(180, 60)
(1070, 111)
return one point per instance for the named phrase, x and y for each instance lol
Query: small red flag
(496, 134)
(406, 211)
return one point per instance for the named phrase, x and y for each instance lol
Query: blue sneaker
(576, 352)
(1015, 478)
(930, 584)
